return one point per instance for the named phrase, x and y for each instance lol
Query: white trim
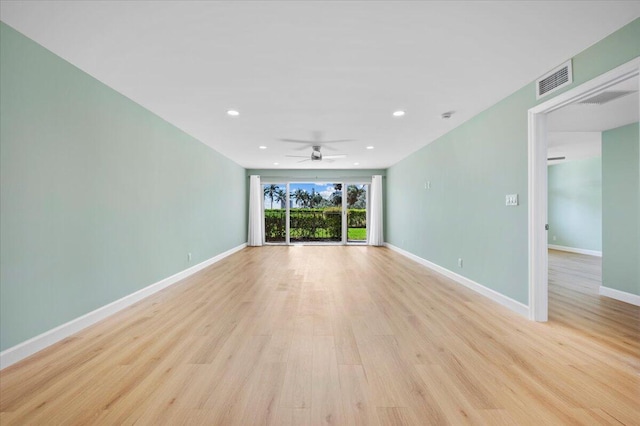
(623, 296)
(576, 250)
(537, 184)
(537, 202)
(500, 298)
(29, 347)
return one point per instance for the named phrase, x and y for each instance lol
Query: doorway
(538, 179)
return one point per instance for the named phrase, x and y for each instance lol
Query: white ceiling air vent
(554, 80)
(604, 97)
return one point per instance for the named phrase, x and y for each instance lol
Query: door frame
(537, 178)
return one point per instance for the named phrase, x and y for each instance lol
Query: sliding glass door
(315, 213)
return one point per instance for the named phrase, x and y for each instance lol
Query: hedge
(311, 224)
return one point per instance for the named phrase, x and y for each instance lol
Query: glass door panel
(275, 213)
(315, 212)
(357, 213)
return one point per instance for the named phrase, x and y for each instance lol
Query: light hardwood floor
(339, 335)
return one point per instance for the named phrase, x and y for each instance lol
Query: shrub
(311, 224)
(357, 218)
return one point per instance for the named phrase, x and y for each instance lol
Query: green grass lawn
(357, 234)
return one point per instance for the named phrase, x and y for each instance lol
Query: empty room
(319, 212)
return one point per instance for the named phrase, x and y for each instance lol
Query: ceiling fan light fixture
(316, 155)
(398, 113)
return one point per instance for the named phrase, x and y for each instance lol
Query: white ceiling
(578, 117)
(574, 146)
(292, 68)
(575, 131)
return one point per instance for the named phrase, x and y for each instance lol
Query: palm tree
(362, 201)
(301, 197)
(313, 198)
(281, 197)
(270, 192)
(336, 197)
(353, 193)
(316, 199)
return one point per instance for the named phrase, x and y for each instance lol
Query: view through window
(315, 212)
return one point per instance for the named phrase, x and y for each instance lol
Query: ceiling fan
(316, 145)
(316, 155)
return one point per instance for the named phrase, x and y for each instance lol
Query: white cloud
(327, 192)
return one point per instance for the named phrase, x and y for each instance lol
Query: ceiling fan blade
(297, 156)
(338, 141)
(330, 157)
(297, 141)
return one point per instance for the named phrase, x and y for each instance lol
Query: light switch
(511, 200)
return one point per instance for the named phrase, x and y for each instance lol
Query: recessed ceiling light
(262, 147)
(398, 113)
(275, 164)
(370, 147)
(233, 113)
(356, 164)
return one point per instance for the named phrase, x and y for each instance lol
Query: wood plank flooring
(339, 335)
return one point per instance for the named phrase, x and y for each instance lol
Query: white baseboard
(623, 296)
(29, 347)
(575, 250)
(500, 298)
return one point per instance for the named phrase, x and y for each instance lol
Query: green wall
(99, 196)
(621, 208)
(472, 168)
(575, 204)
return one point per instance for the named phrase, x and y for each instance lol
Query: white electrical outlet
(460, 262)
(188, 257)
(511, 200)
(554, 238)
